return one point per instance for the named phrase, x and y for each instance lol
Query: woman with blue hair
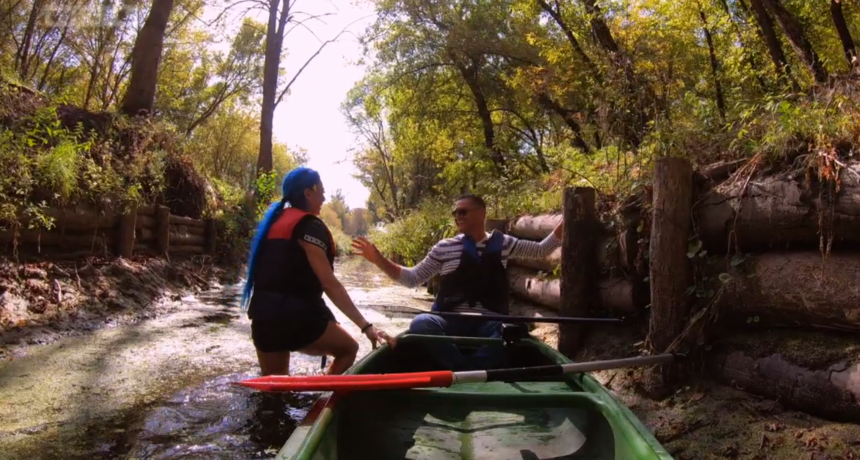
(291, 265)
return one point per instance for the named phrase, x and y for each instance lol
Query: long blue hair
(293, 190)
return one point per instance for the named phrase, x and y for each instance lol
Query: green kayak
(567, 417)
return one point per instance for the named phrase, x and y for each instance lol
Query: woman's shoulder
(313, 224)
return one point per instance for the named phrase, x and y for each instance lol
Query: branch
(310, 59)
(229, 7)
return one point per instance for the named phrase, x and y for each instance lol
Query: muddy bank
(708, 420)
(41, 302)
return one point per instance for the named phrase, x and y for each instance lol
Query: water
(161, 389)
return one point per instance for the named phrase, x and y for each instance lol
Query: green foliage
(45, 162)
(412, 236)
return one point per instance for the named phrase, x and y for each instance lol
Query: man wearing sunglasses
(474, 280)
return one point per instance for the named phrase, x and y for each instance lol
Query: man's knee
(427, 324)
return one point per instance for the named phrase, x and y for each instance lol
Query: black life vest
(282, 265)
(478, 279)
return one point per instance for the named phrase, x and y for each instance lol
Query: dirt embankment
(42, 301)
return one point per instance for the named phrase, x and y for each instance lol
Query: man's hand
(363, 247)
(559, 230)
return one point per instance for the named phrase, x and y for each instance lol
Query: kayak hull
(569, 417)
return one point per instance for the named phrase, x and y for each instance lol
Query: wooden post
(670, 273)
(162, 229)
(578, 264)
(211, 236)
(125, 234)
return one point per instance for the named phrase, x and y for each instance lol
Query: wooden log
(185, 229)
(718, 172)
(162, 229)
(534, 227)
(145, 235)
(77, 219)
(148, 211)
(670, 273)
(96, 241)
(181, 220)
(144, 221)
(185, 239)
(211, 237)
(812, 372)
(795, 289)
(174, 249)
(614, 294)
(125, 234)
(777, 212)
(579, 265)
(144, 249)
(500, 225)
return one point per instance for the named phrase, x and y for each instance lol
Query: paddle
(526, 319)
(439, 379)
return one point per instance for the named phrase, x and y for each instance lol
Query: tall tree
(146, 56)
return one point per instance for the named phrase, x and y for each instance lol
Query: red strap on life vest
(286, 223)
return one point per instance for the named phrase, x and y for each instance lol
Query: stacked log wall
(782, 255)
(537, 280)
(77, 232)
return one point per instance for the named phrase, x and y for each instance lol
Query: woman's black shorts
(281, 322)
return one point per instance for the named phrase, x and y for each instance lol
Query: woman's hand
(374, 335)
(364, 248)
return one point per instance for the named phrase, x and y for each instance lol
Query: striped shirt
(444, 258)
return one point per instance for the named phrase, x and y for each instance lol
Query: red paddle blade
(350, 382)
(386, 384)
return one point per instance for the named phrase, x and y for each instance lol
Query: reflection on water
(217, 420)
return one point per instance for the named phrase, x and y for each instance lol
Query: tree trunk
(140, 94)
(768, 34)
(670, 270)
(614, 294)
(715, 66)
(794, 31)
(569, 117)
(578, 266)
(844, 34)
(469, 73)
(534, 227)
(795, 289)
(271, 65)
(808, 371)
(778, 212)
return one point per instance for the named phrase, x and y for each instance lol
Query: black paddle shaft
(557, 370)
(527, 319)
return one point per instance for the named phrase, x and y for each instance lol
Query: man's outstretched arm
(526, 249)
(410, 277)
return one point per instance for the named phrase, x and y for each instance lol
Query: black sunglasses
(460, 212)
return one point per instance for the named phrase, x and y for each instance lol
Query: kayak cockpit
(565, 417)
(430, 425)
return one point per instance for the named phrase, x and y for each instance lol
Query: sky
(309, 117)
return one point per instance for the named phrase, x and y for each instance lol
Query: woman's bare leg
(274, 363)
(335, 342)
